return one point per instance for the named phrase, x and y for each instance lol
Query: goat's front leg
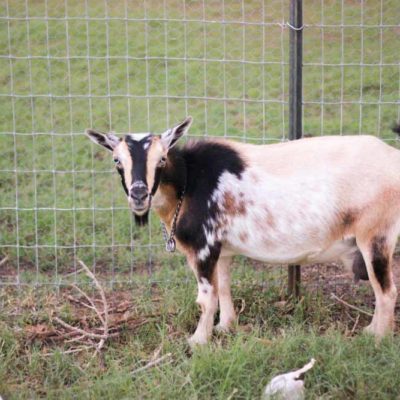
(207, 296)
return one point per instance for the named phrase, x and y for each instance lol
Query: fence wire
(141, 66)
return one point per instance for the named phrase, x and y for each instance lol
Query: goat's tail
(396, 128)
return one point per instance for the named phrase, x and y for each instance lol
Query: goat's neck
(172, 183)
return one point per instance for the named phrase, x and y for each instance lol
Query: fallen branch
(4, 260)
(71, 351)
(355, 325)
(79, 330)
(91, 304)
(105, 305)
(107, 321)
(103, 316)
(242, 306)
(153, 363)
(77, 272)
(334, 297)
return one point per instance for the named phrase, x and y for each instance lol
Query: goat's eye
(162, 162)
(117, 162)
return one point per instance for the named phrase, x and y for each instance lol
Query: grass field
(143, 66)
(59, 76)
(272, 339)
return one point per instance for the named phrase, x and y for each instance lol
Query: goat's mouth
(139, 208)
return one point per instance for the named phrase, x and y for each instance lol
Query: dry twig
(334, 297)
(70, 351)
(355, 325)
(105, 305)
(153, 363)
(102, 316)
(80, 331)
(111, 321)
(4, 260)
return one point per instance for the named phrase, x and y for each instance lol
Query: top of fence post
(295, 69)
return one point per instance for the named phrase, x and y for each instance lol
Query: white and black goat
(309, 201)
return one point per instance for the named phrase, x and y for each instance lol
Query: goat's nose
(139, 193)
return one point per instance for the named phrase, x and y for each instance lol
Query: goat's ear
(107, 140)
(171, 136)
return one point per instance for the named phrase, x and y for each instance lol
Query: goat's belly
(297, 242)
(279, 254)
(286, 254)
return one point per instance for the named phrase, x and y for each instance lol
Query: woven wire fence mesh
(141, 67)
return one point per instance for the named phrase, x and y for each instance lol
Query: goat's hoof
(379, 334)
(223, 328)
(370, 329)
(196, 340)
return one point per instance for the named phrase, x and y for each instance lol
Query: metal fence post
(295, 105)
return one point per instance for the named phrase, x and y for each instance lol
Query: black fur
(200, 165)
(380, 261)
(157, 180)
(359, 268)
(100, 137)
(205, 162)
(205, 268)
(175, 171)
(139, 166)
(121, 174)
(142, 220)
(139, 158)
(396, 128)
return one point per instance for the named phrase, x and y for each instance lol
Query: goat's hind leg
(227, 313)
(377, 252)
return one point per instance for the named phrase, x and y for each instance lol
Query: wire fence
(141, 67)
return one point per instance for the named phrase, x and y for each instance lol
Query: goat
(314, 200)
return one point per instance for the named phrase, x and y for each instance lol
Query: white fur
(138, 136)
(146, 145)
(292, 236)
(203, 253)
(208, 300)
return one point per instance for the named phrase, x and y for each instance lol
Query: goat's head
(139, 159)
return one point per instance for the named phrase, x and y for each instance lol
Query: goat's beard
(142, 220)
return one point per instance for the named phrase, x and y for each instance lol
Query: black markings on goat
(139, 156)
(359, 268)
(380, 261)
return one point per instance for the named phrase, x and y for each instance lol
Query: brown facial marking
(154, 155)
(122, 153)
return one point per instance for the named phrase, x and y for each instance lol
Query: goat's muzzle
(139, 198)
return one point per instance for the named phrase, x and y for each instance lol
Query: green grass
(57, 98)
(272, 340)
